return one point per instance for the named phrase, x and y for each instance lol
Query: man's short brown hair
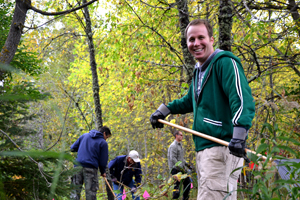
(197, 22)
(176, 133)
(106, 130)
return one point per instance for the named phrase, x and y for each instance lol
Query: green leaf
(173, 69)
(159, 177)
(262, 148)
(253, 157)
(38, 154)
(289, 139)
(178, 163)
(185, 85)
(269, 126)
(289, 149)
(275, 149)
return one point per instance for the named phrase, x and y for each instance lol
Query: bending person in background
(122, 169)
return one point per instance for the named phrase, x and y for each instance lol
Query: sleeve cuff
(239, 133)
(164, 110)
(102, 170)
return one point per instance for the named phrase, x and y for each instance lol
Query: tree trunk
(189, 60)
(14, 36)
(96, 89)
(15, 33)
(294, 12)
(225, 25)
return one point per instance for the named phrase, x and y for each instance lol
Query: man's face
(179, 137)
(106, 136)
(200, 45)
(130, 160)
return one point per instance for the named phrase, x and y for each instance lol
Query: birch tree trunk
(93, 64)
(96, 88)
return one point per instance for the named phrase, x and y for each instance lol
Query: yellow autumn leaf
(173, 121)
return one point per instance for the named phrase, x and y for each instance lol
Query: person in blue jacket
(92, 154)
(123, 169)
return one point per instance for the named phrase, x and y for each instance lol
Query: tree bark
(93, 64)
(96, 88)
(15, 32)
(14, 36)
(184, 21)
(295, 14)
(225, 25)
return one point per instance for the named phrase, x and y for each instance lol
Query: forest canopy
(68, 67)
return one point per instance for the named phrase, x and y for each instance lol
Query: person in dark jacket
(92, 154)
(223, 107)
(123, 169)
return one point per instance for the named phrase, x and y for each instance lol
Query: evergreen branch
(39, 164)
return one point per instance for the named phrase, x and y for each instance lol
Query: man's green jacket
(225, 100)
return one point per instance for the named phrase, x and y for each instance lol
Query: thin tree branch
(60, 35)
(62, 12)
(77, 106)
(77, 16)
(171, 5)
(62, 130)
(36, 27)
(255, 58)
(163, 65)
(155, 31)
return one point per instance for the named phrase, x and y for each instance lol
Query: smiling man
(223, 107)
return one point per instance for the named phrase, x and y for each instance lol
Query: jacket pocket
(213, 122)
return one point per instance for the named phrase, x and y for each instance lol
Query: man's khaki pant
(214, 171)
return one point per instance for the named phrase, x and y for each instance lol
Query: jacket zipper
(198, 99)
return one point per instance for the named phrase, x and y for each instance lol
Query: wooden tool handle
(208, 137)
(109, 187)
